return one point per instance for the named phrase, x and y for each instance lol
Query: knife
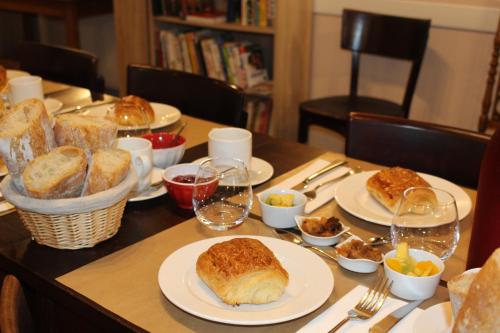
(82, 107)
(391, 319)
(303, 184)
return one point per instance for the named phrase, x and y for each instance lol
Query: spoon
(378, 240)
(290, 236)
(311, 194)
(176, 137)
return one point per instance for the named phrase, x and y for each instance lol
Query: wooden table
(112, 287)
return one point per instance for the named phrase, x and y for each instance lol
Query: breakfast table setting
(145, 276)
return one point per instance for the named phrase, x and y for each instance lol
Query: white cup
(142, 159)
(231, 142)
(24, 87)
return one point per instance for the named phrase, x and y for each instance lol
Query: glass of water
(427, 219)
(226, 205)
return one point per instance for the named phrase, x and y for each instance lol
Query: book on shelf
(259, 114)
(216, 17)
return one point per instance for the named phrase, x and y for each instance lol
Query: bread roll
(481, 310)
(242, 270)
(132, 111)
(87, 132)
(387, 186)
(107, 169)
(58, 174)
(25, 133)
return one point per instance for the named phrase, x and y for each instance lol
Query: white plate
(310, 284)
(13, 73)
(164, 114)
(52, 104)
(352, 196)
(152, 192)
(436, 319)
(261, 171)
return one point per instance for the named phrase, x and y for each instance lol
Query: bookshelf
(290, 46)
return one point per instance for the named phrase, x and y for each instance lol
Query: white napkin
(324, 193)
(335, 313)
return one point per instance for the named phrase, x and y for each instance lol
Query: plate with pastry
(374, 195)
(133, 111)
(245, 280)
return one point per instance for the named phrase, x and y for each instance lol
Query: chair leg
(303, 126)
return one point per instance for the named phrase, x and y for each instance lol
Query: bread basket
(73, 223)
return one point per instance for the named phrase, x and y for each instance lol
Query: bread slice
(25, 133)
(107, 169)
(481, 310)
(87, 132)
(58, 174)
(242, 270)
(387, 186)
(458, 288)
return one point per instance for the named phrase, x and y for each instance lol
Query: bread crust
(387, 186)
(3, 78)
(481, 310)
(56, 175)
(107, 169)
(132, 110)
(242, 270)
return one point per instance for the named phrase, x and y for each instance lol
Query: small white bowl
(414, 287)
(357, 265)
(281, 217)
(318, 240)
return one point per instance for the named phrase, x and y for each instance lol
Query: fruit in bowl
(280, 206)
(318, 230)
(167, 150)
(353, 254)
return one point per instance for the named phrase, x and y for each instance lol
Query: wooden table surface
(52, 278)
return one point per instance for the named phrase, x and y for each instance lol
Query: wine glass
(222, 194)
(132, 120)
(427, 219)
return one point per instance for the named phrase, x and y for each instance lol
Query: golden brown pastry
(387, 186)
(481, 310)
(242, 270)
(132, 110)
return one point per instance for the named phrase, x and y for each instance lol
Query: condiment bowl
(166, 150)
(414, 287)
(281, 217)
(318, 240)
(357, 265)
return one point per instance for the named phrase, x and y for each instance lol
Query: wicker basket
(72, 223)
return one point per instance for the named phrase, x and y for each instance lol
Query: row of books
(215, 55)
(259, 114)
(246, 12)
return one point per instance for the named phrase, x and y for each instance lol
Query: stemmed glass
(427, 219)
(222, 194)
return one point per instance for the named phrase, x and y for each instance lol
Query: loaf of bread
(387, 186)
(87, 132)
(107, 169)
(25, 133)
(458, 288)
(480, 313)
(242, 270)
(133, 111)
(56, 175)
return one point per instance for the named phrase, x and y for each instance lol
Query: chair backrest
(62, 64)
(192, 94)
(442, 151)
(15, 316)
(384, 35)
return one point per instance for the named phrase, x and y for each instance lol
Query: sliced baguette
(87, 132)
(58, 174)
(25, 133)
(107, 169)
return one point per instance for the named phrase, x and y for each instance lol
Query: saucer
(261, 171)
(153, 191)
(52, 105)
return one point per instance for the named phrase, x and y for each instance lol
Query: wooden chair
(486, 228)
(62, 64)
(490, 115)
(370, 33)
(447, 152)
(14, 313)
(192, 94)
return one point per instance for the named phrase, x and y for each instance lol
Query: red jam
(189, 179)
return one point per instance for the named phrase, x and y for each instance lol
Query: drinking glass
(225, 205)
(427, 219)
(127, 126)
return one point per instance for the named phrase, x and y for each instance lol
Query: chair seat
(339, 107)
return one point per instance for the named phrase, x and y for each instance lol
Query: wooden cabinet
(291, 34)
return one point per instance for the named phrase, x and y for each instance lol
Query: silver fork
(369, 304)
(311, 194)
